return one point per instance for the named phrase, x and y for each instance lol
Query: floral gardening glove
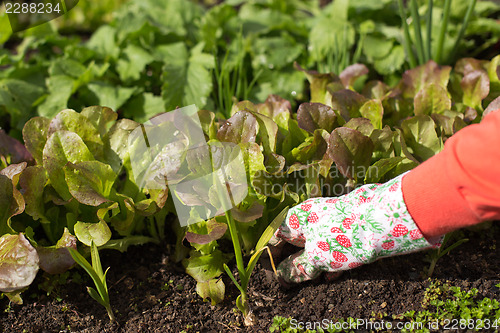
(341, 233)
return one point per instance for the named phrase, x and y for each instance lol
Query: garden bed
(150, 293)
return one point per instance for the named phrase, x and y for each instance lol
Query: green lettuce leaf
(63, 147)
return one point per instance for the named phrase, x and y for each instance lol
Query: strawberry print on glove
(342, 233)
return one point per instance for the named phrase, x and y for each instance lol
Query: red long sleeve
(460, 186)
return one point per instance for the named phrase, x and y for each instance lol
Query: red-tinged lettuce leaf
(267, 134)
(312, 116)
(250, 214)
(273, 106)
(14, 171)
(57, 259)
(375, 90)
(415, 79)
(70, 120)
(35, 134)
(448, 123)
(374, 111)
(351, 151)
(351, 74)
(431, 99)
(313, 148)
(32, 181)
(10, 147)
(476, 87)
(240, 128)
(347, 103)
(8, 204)
(18, 263)
(243, 106)
(400, 147)
(493, 106)
(215, 230)
(101, 117)
(213, 289)
(63, 147)
(274, 163)
(363, 125)
(116, 151)
(382, 140)
(469, 115)
(421, 138)
(318, 85)
(89, 182)
(278, 109)
(98, 232)
(465, 66)
(458, 124)
(248, 126)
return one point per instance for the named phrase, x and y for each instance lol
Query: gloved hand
(341, 233)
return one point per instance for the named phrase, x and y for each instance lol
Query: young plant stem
(465, 23)
(233, 230)
(418, 31)
(442, 32)
(429, 31)
(406, 36)
(242, 300)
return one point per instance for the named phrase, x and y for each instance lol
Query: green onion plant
(422, 46)
(98, 276)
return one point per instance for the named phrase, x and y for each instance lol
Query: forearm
(460, 186)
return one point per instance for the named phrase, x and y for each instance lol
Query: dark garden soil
(150, 293)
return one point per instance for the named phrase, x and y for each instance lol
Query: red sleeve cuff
(433, 200)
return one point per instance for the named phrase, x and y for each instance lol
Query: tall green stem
(418, 31)
(465, 22)
(406, 36)
(237, 247)
(442, 32)
(429, 31)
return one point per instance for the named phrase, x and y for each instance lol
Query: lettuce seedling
(98, 276)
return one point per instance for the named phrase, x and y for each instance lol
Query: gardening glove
(341, 233)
